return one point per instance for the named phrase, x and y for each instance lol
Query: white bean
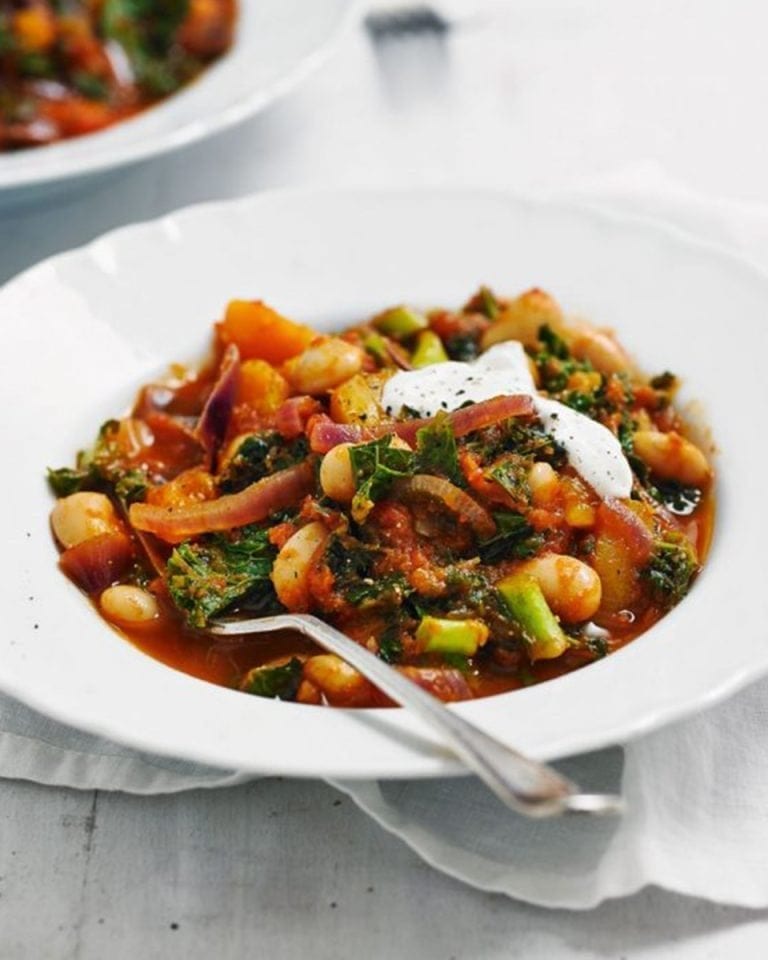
(543, 482)
(128, 604)
(291, 568)
(81, 516)
(336, 477)
(324, 365)
(571, 587)
(599, 347)
(672, 457)
(522, 318)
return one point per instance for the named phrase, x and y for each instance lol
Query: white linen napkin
(697, 792)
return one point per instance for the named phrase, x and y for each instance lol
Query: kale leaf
(515, 539)
(281, 681)
(671, 569)
(102, 467)
(208, 575)
(390, 644)
(67, 480)
(259, 456)
(375, 466)
(511, 473)
(436, 450)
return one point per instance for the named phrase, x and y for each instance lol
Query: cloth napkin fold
(697, 792)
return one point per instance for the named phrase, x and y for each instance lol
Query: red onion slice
(251, 505)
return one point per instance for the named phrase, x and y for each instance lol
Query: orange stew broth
(226, 661)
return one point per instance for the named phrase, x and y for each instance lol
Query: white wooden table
(534, 93)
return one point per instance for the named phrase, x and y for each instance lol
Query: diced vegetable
(400, 322)
(436, 635)
(261, 333)
(429, 349)
(261, 386)
(355, 402)
(525, 602)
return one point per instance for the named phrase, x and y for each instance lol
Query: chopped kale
(675, 497)
(436, 450)
(671, 569)
(350, 562)
(553, 344)
(580, 401)
(390, 644)
(525, 440)
(101, 468)
(463, 346)
(259, 456)
(67, 480)
(380, 591)
(511, 473)
(132, 486)
(554, 361)
(281, 682)
(376, 465)
(208, 575)
(515, 539)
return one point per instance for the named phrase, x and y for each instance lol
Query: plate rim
(568, 745)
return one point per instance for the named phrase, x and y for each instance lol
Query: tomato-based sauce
(463, 531)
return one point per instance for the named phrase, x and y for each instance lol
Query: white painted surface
(538, 93)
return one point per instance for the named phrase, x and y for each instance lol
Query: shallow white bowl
(83, 329)
(277, 43)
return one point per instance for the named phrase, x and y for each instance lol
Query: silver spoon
(524, 785)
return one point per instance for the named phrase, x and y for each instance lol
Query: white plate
(83, 329)
(277, 43)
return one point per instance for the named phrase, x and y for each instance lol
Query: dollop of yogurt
(593, 451)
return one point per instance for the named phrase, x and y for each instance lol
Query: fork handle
(524, 785)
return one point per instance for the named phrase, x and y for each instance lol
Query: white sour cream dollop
(593, 451)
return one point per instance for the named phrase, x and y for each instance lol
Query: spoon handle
(524, 785)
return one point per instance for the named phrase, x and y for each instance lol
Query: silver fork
(524, 785)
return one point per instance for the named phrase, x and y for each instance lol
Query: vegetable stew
(486, 498)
